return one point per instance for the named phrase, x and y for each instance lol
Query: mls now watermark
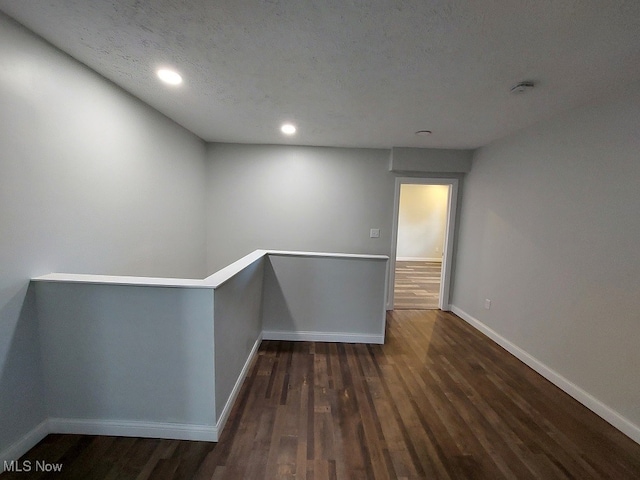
(30, 466)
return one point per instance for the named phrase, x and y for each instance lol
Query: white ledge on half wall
(121, 280)
(212, 281)
(331, 255)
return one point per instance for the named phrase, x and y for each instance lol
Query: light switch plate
(374, 233)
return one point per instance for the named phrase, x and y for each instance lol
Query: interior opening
(421, 233)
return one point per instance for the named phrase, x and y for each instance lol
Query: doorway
(420, 267)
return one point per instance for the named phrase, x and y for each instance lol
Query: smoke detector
(522, 87)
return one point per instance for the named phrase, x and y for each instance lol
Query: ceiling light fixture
(288, 129)
(169, 76)
(424, 133)
(522, 87)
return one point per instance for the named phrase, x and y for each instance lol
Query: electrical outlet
(487, 304)
(374, 233)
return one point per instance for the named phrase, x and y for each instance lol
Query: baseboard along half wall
(599, 408)
(175, 431)
(75, 426)
(224, 416)
(24, 444)
(336, 337)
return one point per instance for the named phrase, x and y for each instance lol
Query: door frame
(449, 237)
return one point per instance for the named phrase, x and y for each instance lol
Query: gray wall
(237, 327)
(549, 232)
(91, 180)
(429, 160)
(329, 296)
(127, 353)
(297, 198)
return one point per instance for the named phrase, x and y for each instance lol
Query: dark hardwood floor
(417, 285)
(438, 400)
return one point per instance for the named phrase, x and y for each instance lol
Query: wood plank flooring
(438, 401)
(417, 285)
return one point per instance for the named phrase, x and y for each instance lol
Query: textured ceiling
(365, 73)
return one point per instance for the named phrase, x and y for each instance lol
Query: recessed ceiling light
(288, 129)
(169, 76)
(423, 133)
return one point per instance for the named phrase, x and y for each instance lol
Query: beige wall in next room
(422, 221)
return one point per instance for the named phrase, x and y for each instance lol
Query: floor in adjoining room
(437, 401)
(417, 285)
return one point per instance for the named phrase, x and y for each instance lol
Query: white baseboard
(24, 444)
(337, 337)
(236, 388)
(602, 410)
(419, 259)
(177, 431)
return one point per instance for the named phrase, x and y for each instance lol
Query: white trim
(224, 416)
(385, 301)
(419, 259)
(212, 281)
(223, 275)
(127, 428)
(336, 337)
(354, 256)
(24, 444)
(121, 280)
(447, 250)
(596, 406)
